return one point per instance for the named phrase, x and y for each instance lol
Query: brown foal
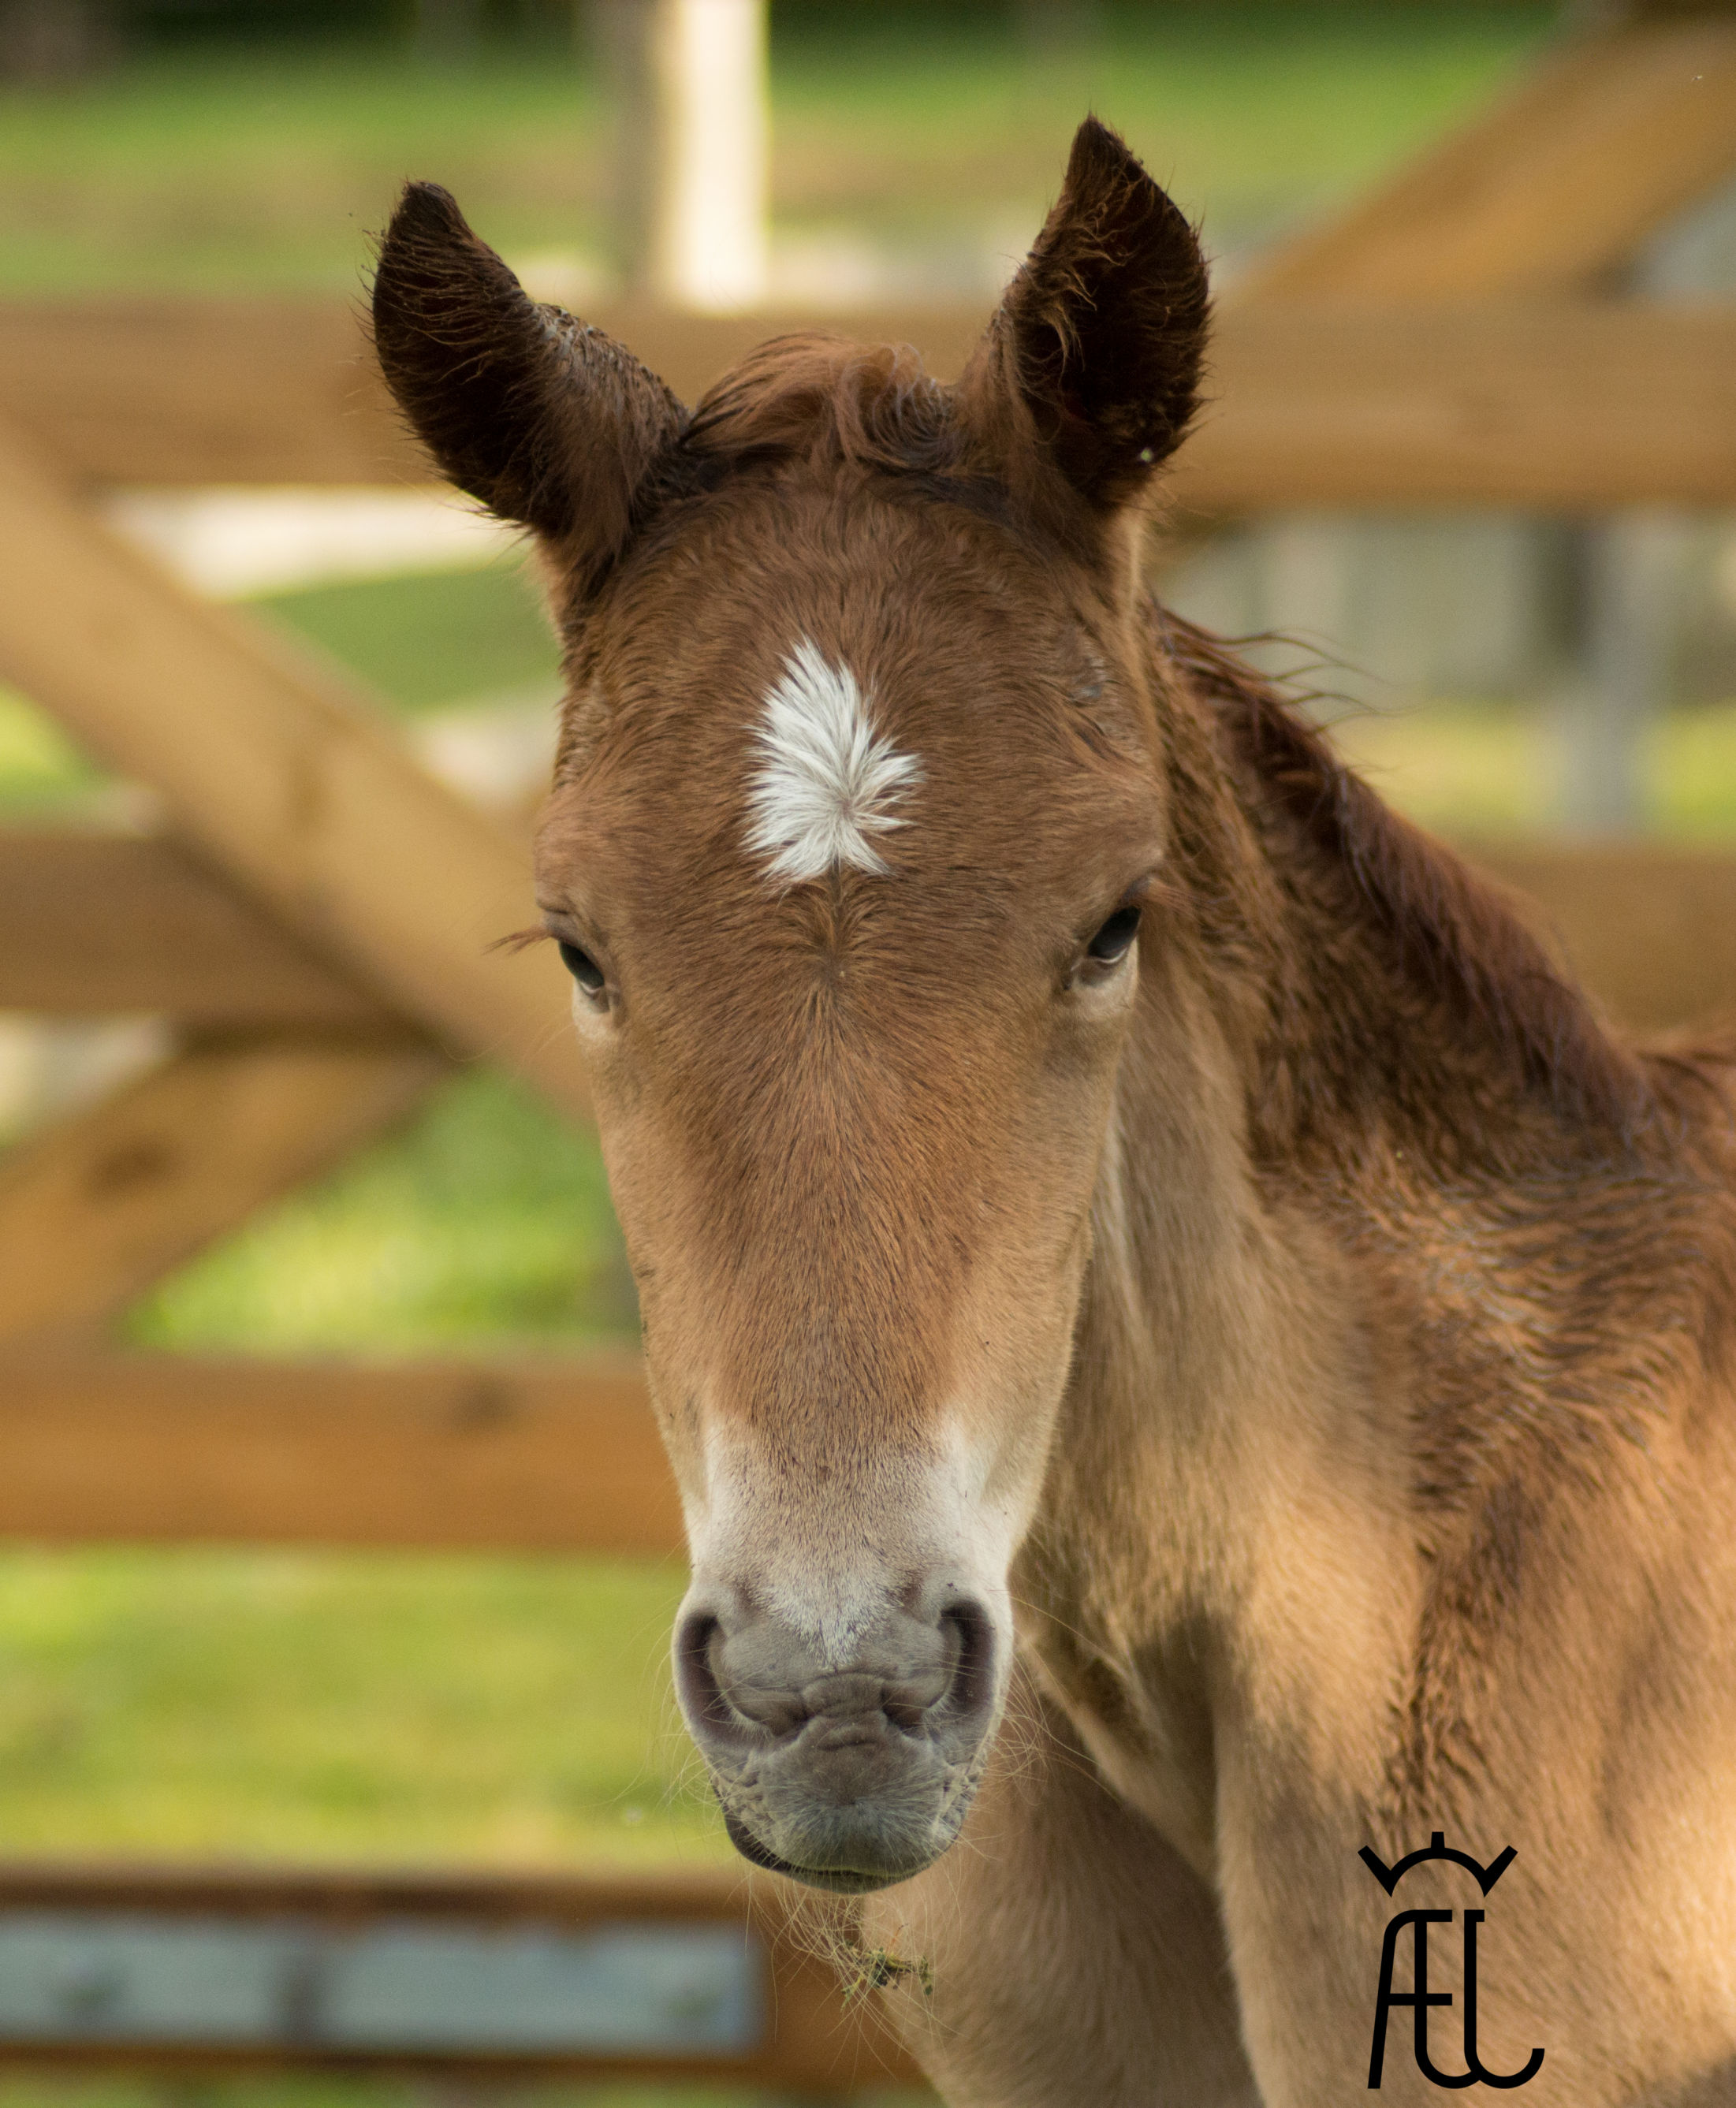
(1127, 1228)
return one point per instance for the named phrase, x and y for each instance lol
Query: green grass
(1257, 114)
(1694, 774)
(236, 170)
(486, 1220)
(40, 768)
(440, 637)
(1475, 768)
(321, 1705)
(1492, 768)
(244, 170)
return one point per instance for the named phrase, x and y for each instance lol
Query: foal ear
(1094, 356)
(549, 421)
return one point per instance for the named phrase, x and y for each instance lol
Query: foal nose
(752, 1684)
(848, 1768)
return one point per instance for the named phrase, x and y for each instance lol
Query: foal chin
(842, 1657)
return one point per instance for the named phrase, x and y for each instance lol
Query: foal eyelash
(1157, 891)
(520, 940)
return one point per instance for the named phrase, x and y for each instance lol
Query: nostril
(697, 1683)
(967, 1629)
(735, 1690)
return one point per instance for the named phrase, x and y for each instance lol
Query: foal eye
(1113, 942)
(582, 966)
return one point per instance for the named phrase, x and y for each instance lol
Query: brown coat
(1189, 1349)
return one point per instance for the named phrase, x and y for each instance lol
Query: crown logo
(1389, 1877)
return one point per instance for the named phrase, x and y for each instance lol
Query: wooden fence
(488, 1977)
(1550, 402)
(511, 1452)
(313, 914)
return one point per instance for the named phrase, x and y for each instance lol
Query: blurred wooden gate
(314, 913)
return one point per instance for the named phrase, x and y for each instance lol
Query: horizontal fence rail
(696, 1974)
(1649, 927)
(96, 923)
(551, 1456)
(556, 1454)
(1568, 404)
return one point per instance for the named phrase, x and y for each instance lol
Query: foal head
(857, 810)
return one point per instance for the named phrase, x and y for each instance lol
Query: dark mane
(1450, 931)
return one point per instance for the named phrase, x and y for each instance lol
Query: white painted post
(708, 220)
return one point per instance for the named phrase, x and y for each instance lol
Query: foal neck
(1382, 1275)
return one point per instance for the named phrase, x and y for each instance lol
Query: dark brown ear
(550, 423)
(1094, 358)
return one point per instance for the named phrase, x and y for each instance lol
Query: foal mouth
(889, 1854)
(834, 1880)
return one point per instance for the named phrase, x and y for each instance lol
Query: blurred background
(515, 1712)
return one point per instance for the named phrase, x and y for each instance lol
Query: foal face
(850, 863)
(858, 805)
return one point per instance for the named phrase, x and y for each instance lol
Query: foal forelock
(826, 782)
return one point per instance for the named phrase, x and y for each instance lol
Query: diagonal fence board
(294, 1065)
(94, 923)
(491, 1454)
(379, 1970)
(100, 1206)
(1612, 133)
(278, 772)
